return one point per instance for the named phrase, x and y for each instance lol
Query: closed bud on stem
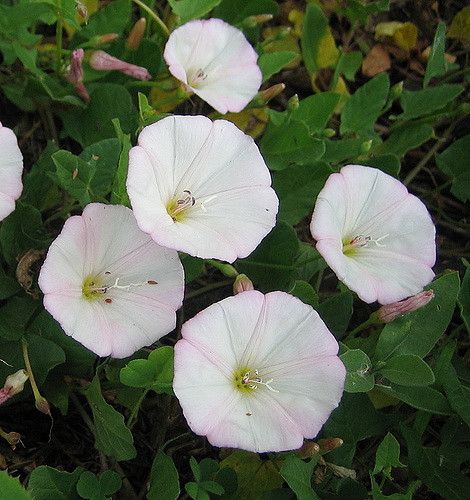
(102, 61)
(253, 21)
(15, 383)
(328, 133)
(242, 284)
(75, 72)
(293, 103)
(389, 312)
(365, 146)
(81, 9)
(396, 90)
(263, 97)
(329, 444)
(102, 39)
(136, 34)
(309, 450)
(43, 406)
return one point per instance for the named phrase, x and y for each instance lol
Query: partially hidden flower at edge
(389, 312)
(102, 61)
(215, 61)
(201, 187)
(377, 237)
(75, 74)
(108, 284)
(257, 372)
(11, 169)
(13, 385)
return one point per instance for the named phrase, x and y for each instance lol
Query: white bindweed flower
(108, 284)
(216, 62)
(201, 187)
(377, 237)
(11, 168)
(257, 372)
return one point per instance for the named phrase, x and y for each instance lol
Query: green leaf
(463, 299)
(195, 491)
(455, 161)
(316, 110)
(436, 62)
(317, 44)
(377, 493)
(457, 395)
(359, 10)
(113, 18)
(297, 188)
(423, 102)
(113, 438)
(94, 123)
(47, 483)
(270, 266)
(22, 230)
(192, 9)
(387, 456)
(306, 293)
(358, 365)
(164, 479)
(11, 488)
(155, 373)
(388, 163)
(193, 267)
(348, 64)
(439, 476)
(88, 485)
(407, 369)
(26, 55)
(255, 476)
(421, 398)
(14, 316)
(119, 191)
(408, 136)
(336, 312)
(298, 475)
(271, 63)
(110, 482)
(417, 332)
(365, 105)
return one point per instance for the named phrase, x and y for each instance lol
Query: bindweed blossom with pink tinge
(216, 62)
(377, 237)
(11, 168)
(389, 312)
(108, 284)
(257, 372)
(13, 385)
(201, 187)
(102, 61)
(75, 74)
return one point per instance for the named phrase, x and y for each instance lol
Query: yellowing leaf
(341, 89)
(162, 101)
(251, 121)
(91, 7)
(296, 17)
(288, 44)
(327, 54)
(403, 35)
(460, 25)
(381, 400)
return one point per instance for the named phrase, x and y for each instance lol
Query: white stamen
(105, 288)
(203, 208)
(255, 381)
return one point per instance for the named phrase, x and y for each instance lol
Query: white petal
(11, 168)
(234, 205)
(143, 282)
(231, 77)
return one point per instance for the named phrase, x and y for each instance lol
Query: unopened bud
(365, 146)
(136, 34)
(262, 98)
(329, 444)
(293, 103)
(253, 21)
(82, 92)
(309, 450)
(328, 133)
(242, 284)
(396, 90)
(75, 72)
(13, 439)
(81, 9)
(102, 61)
(43, 406)
(102, 39)
(228, 270)
(389, 312)
(15, 383)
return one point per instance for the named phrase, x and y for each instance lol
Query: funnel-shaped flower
(216, 62)
(201, 187)
(11, 168)
(257, 372)
(108, 284)
(376, 236)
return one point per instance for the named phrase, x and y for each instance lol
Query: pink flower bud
(13, 385)
(81, 9)
(75, 73)
(82, 92)
(389, 312)
(242, 284)
(136, 34)
(102, 61)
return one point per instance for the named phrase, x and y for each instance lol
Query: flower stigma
(248, 381)
(93, 289)
(176, 208)
(199, 77)
(351, 246)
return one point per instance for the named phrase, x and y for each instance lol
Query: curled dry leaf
(25, 270)
(377, 61)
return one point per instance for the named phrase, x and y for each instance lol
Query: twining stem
(208, 288)
(32, 380)
(58, 38)
(160, 24)
(136, 408)
(371, 321)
